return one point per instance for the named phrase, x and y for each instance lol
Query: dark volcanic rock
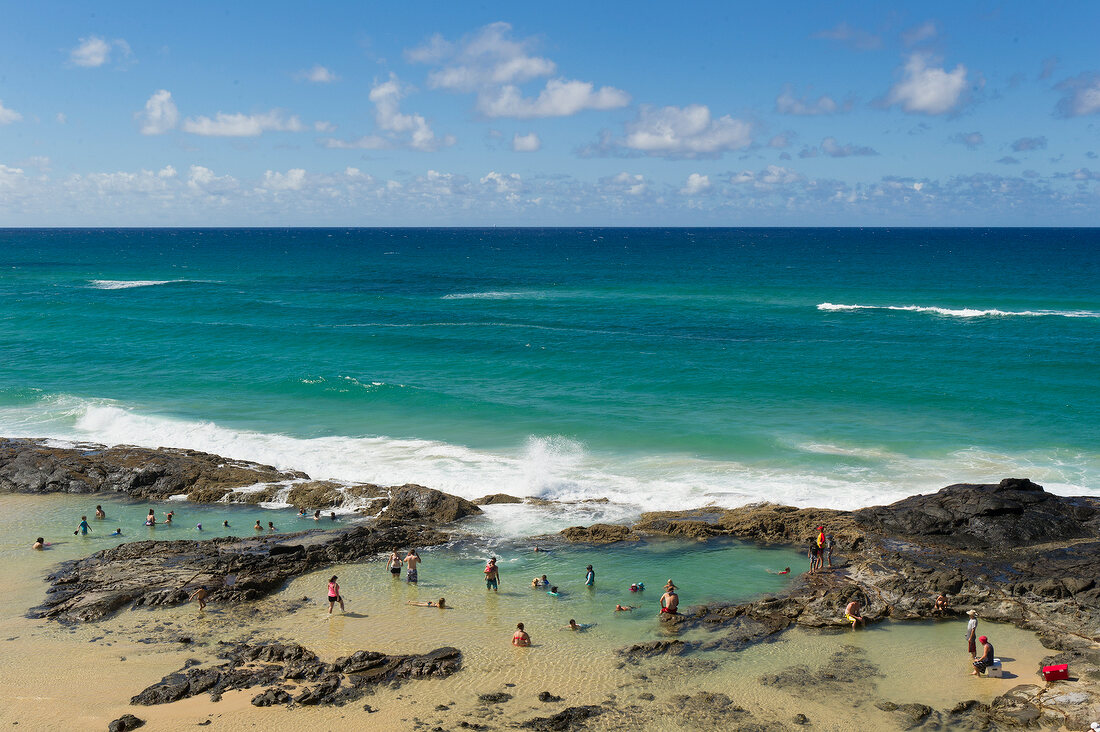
(494, 498)
(567, 719)
(267, 665)
(650, 649)
(417, 503)
(598, 533)
(125, 723)
(1009, 514)
(30, 466)
(150, 573)
(498, 697)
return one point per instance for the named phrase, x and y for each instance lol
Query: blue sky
(693, 113)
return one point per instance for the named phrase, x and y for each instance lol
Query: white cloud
(919, 33)
(1080, 95)
(924, 90)
(7, 116)
(780, 141)
(492, 65)
(502, 182)
(559, 98)
(696, 184)
(631, 184)
(833, 149)
(685, 132)
(167, 172)
(292, 180)
(788, 103)
(526, 143)
(93, 51)
(771, 176)
(10, 177)
(160, 114)
(242, 125)
(855, 38)
(400, 130)
(318, 75)
(203, 180)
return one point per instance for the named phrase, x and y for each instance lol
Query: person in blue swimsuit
(590, 576)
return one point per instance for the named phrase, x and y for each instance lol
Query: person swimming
(540, 582)
(168, 517)
(270, 526)
(39, 544)
(786, 570)
(332, 516)
(198, 527)
(624, 608)
(553, 592)
(118, 532)
(258, 527)
(637, 587)
(301, 512)
(225, 524)
(441, 604)
(574, 625)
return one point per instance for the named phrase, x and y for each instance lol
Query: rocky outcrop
(416, 503)
(494, 498)
(599, 534)
(290, 674)
(151, 573)
(34, 466)
(1005, 515)
(125, 723)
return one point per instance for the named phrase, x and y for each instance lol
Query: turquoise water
(658, 368)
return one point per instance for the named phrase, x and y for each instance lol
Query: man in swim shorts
(412, 559)
(492, 575)
(669, 602)
(200, 595)
(851, 614)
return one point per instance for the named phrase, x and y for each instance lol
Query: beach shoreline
(893, 561)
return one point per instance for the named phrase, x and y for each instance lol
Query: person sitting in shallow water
(553, 592)
(520, 637)
(540, 582)
(39, 544)
(258, 527)
(624, 608)
(441, 604)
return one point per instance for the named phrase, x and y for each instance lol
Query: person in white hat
(971, 633)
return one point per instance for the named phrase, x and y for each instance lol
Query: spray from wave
(129, 284)
(962, 312)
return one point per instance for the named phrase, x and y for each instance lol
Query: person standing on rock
(830, 544)
(819, 542)
(395, 564)
(972, 633)
(412, 559)
(492, 575)
(334, 595)
(812, 556)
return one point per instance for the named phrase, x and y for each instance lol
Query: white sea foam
(493, 295)
(557, 468)
(962, 312)
(128, 284)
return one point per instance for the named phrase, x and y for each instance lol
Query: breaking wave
(962, 312)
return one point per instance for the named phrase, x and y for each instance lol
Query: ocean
(658, 368)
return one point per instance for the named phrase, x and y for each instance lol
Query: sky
(556, 114)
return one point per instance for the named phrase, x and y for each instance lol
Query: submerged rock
(567, 719)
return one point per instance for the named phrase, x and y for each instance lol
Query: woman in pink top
(334, 595)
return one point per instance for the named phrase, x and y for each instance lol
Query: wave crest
(961, 312)
(128, 284)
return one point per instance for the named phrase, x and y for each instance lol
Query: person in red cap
(986, 660)
(820, 547)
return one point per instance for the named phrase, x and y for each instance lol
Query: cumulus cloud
(781, 140)
(559, 98)
(833, 149)
(492, 65)
(160, 115)
(526, 143)
(1027, 144)
(502, 182)
(696, 184)
(242, 125)
(1080, 95)
(292, 180)
(972, 140)
(7, 116)
(772, 175)
(632, 184)
(397, 129)
(10, 177)
(860, 40)
(318, 75)
(678, 132)
(94, 51)
(201, 179)
(788, 103)
(927, 90)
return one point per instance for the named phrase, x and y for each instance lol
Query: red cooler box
(1056, 673)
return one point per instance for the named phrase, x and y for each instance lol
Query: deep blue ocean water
(660, 368)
